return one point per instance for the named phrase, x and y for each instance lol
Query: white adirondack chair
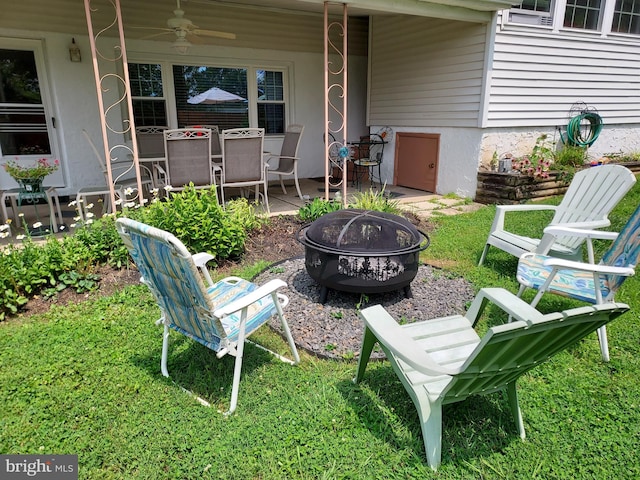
(443, 360)
(590, 198)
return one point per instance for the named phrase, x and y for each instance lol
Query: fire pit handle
(426, 237)
(304, 240)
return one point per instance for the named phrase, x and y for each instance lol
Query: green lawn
(86, 380)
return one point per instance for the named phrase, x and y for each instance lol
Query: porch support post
(335, 102)
(111, 74)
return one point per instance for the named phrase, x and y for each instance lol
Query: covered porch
(276, 36)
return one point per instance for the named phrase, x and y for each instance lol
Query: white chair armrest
(201, 259)
(501, 211)
(517, 308)
(575, 231)
(560, 264)
(243, 302)
(524, 208)
(393, 337)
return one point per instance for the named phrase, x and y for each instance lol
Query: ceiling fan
(185, 31)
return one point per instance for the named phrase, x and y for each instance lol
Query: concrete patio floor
(421, 203)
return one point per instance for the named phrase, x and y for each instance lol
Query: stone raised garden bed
(512, 188)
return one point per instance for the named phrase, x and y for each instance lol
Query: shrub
(570, 157)
(200, 222)
(368, 200)
(377, 201)
(194, 216)
(318, 207)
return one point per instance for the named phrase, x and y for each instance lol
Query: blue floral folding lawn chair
(218, 315)
(578, 280)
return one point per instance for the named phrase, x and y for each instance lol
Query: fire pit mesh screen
(364, 232)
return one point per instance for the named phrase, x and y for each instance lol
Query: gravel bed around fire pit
(334, 330)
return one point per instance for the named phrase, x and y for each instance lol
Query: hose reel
(584, 126)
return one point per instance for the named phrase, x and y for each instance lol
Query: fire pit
(362, 251)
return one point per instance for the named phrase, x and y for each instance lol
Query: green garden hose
(575, 135)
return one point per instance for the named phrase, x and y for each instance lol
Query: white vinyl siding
(537, 78)
(426, 72)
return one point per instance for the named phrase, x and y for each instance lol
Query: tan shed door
(416, 160)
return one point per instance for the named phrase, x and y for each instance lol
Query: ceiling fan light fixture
(181, 45)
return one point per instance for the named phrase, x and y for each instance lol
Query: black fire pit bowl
(362, 251)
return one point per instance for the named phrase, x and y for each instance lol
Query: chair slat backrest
(242, 157)
(167, 268)
(591, 196)
(624, 251)
(508, 351)
(290, 146)
(189, 156)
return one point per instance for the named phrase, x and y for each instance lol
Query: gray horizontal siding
(537, 77)
(426, 72)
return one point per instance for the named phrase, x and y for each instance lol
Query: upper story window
(532, 12)
(536, 5)
(584, 14)
(626, 17)
(604, 16)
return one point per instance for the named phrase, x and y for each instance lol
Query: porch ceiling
(68, 15)
(450, 9)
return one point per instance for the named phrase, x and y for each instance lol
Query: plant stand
(33, 193)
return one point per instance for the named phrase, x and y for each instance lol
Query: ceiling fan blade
(196, 40)
(214, 33)
(165, 29)
(154, 35)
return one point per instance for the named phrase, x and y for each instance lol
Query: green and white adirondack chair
(218, 315)
(578, 279)
(443, 360)
(591, 196)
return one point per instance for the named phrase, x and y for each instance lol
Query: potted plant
(30, 178)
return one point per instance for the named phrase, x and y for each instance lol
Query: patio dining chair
(585, 281)
(243, 161)
(591, 196)
(151, 141)
(367, 159)
(219, 315)
(444, 360)
(287, 158)
(188, 158)
(216, 148)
